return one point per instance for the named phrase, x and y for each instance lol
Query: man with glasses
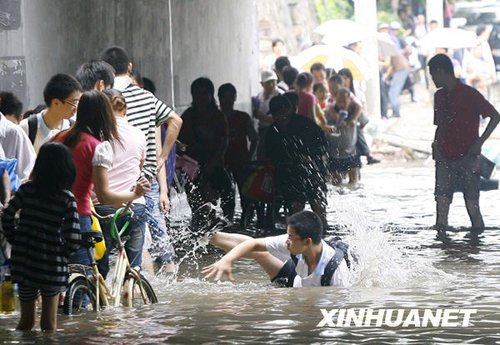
(61, 94)
(299, 258)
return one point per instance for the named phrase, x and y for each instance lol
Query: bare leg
(28, 311)
(48, 321)
(474, 214)
(353, 176)
(442, 210)
(147, 262)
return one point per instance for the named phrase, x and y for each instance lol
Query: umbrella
(449, 38)
(342, 32)
(334, 57)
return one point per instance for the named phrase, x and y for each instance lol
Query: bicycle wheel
(132, 292)
(80, 297)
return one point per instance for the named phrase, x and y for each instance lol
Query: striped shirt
(47, 234)
(145, 112)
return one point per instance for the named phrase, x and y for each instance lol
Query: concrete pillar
(365, 12)
(434, 11)
(217, 39)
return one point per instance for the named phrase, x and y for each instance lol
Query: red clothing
(306, 102)
(240, 128)
(456, 115)
(82, 153)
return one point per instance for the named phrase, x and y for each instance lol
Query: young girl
(90, 141)
(48, 232)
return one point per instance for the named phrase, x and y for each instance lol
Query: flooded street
(399, 264)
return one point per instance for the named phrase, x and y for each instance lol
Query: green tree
(334, 9)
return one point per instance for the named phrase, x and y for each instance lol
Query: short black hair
(290, 75)
(149, 85)
(307, 224)
(275, 42)
(337, 79)
(227, 88)
(441, 62)
(50, 178)
(317, 66)
(91, 72)
(117, 57)
(60, 86)
(318, 86)
(281, 63)
(304, 79)
(10, 104)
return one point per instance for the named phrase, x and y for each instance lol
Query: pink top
(87, 153)
(306, 102)
(127, 159)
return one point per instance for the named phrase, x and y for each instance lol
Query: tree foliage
(334, 9)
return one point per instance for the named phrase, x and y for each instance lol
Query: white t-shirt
(276, 245)
(43, 133)
(17, 145)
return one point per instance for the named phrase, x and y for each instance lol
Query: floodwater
(400, 264)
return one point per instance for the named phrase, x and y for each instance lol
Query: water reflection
(400, 262)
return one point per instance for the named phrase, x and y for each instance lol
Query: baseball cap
(395, 25)
(268, 75)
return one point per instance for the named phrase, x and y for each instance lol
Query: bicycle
(87, 287)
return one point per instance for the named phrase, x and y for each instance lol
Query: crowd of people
(102, 140)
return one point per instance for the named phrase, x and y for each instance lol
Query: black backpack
(33, 127)
(341, 253)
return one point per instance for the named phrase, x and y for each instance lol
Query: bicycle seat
(89, 237)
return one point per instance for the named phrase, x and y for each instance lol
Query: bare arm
(494, 120)
(161, 176)
(174, 124)
(223, 266)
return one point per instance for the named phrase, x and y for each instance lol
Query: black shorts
(286, 275)
(345, 164)
(28, 293)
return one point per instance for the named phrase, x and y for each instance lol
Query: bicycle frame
(113, 295)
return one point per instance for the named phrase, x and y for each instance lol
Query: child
(343, 156)
(48, 232)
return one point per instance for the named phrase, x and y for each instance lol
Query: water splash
(379, 260)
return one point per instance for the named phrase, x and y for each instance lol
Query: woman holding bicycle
(90, 141)
(48, 232)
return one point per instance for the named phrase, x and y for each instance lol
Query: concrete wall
(217, 39)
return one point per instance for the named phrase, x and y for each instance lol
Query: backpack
(341, 253)
(33, 127)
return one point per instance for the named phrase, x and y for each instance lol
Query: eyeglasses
(72, 102)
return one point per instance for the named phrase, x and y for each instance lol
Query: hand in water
(218, 270)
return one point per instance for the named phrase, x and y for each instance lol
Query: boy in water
(299, 258)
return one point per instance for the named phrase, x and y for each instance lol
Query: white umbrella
(449, 38)
(341, 32)
(335, 57)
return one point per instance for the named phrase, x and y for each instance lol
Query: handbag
(188, 165)
(260, 184)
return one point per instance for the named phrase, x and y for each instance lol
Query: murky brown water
(400, 264)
